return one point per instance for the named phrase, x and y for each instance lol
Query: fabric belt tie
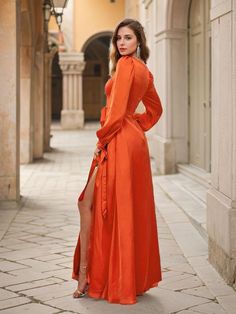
(103, 160)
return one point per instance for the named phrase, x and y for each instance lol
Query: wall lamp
(56, 8)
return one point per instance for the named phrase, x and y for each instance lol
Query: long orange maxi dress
(124, 258)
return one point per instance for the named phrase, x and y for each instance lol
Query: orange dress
(124, 258)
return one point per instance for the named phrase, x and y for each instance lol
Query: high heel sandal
(81, 293)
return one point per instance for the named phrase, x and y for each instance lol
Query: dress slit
(92, 168)
(76, 263)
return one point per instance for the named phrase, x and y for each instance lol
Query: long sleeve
(153, 107)
(123, 79)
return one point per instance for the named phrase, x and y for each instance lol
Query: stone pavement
(38, 240)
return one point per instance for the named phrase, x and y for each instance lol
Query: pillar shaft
(9, 100)
(26, 155)
(72, 65)
(38, 82)
(26, 112)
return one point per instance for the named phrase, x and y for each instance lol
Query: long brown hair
(138, 30)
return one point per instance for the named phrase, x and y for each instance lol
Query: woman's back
(131, 83)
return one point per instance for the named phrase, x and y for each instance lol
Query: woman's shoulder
(125, 64)
(130, 59)
(133, 62)
(124, 60)
(129, 63)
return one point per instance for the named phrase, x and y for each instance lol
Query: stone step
(199, 175)
(189, 195)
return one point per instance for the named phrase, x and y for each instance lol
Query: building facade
(193, 59)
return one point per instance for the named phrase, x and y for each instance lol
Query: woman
(117, 254)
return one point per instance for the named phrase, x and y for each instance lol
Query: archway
(56, 88)
(199, 84)
(95, 74)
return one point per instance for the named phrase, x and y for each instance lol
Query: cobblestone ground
(38, 240)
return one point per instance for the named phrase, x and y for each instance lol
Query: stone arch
(174, 39)
(177, 12)
(93, 37)
(95, 74)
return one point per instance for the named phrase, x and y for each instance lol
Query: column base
(221, 219)
(72, 119)
(222, 262)
(163, 152)
(9, 188)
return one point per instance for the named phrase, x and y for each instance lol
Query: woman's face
(126, 41)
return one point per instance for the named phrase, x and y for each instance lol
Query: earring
(138, 51)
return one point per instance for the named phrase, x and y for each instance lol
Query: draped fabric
(124, 258)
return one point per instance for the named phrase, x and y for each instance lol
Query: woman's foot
(82, 283)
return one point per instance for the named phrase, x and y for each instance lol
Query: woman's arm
(118, 102)
(153, 107)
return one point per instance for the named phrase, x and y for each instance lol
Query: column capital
(72, 65)
(72, 62)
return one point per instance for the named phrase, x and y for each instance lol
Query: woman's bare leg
(85, 225)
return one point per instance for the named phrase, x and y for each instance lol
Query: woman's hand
(96, 153)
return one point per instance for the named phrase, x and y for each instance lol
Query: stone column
(221, 198)
(72, 65)
(38, 99)
(169, 143)
(9, 100)
(26, 112)
(38, 80)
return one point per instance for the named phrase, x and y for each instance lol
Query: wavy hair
(138, 30)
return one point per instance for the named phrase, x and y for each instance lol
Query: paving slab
(158, 301)
(4, 294)
(31, 308)
(202, 291)
(13, 302)
(183, 283)
(228, 302)
(8, 266)
(210, 308)
(35, 284)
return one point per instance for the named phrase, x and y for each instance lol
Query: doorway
(200, 85)
(56, 88)
(95, 75)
